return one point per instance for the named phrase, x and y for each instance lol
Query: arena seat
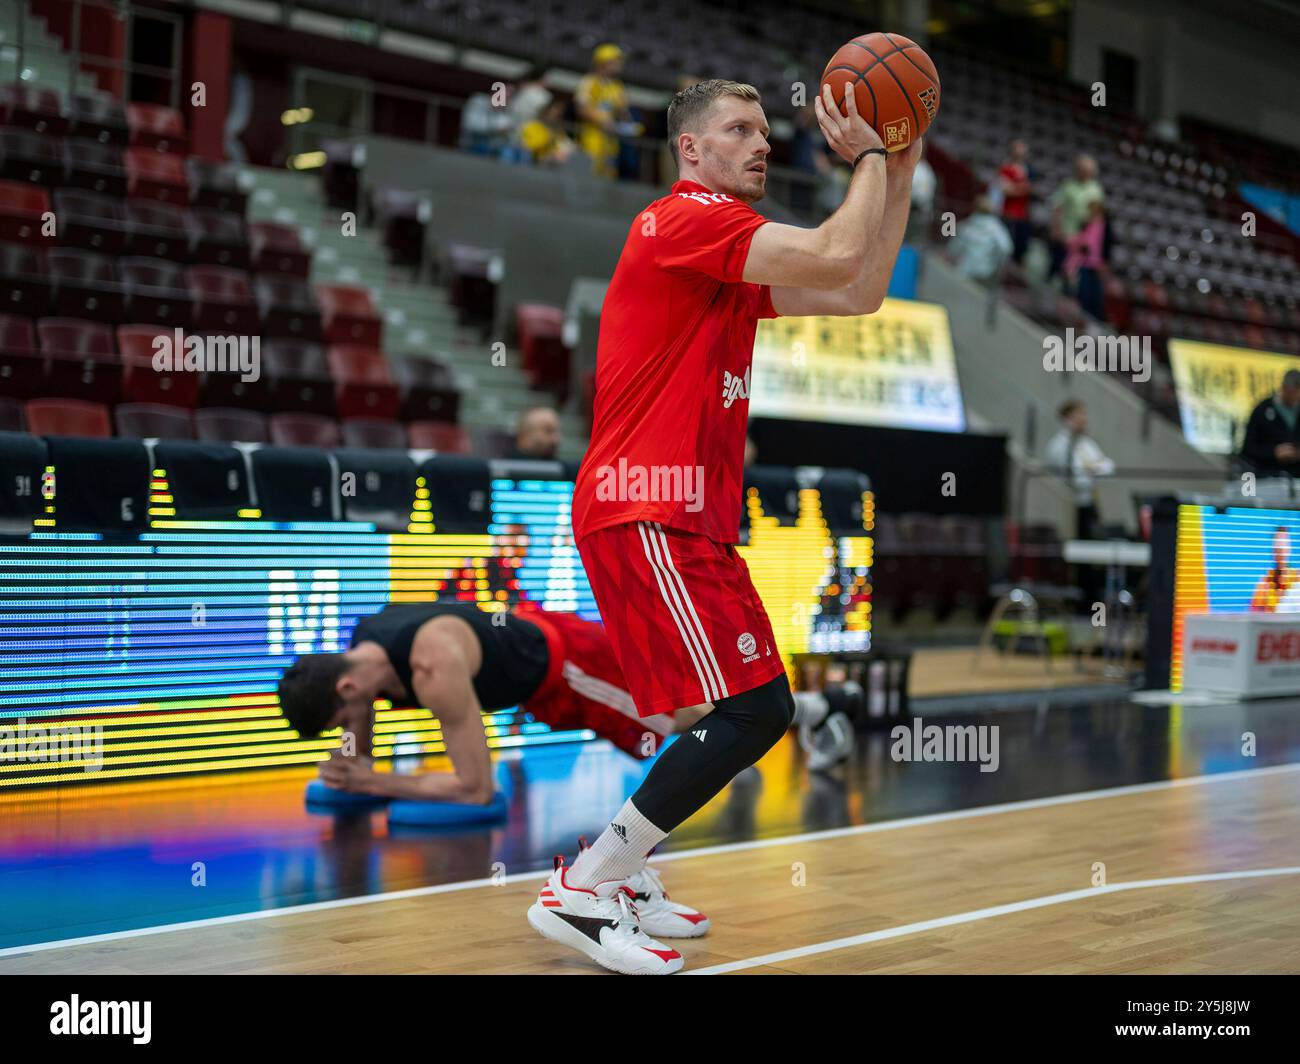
(349, 315)
(21, 208)
(460, 492)
(341, 174)
(299, 376)
(155, 292)
(81, 360)
(288, 307)
(303, 430)
(22, 369)
(472, 275)
(438, 436)
(145, 420)
(295, 483)
(216, 185)
(11, 411)
(155, 175)
(363, 383)
(223, 301)
(94, 166)
(228, 425)
(103, 484)
(217, 239)
(98, 117)
(21, 456)
(373, 433)
(24, 281)
(402, 217)
(30, 157)
(85, 284)
(207, 480)
(90, 221)
(67, 417)
(141, 382)
(277, 249)
(156, 230)
(545, 356)
(153, 126)
(381, 487)
(32, 107)
(429, 392)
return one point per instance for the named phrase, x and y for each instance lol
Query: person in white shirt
(1075, 455)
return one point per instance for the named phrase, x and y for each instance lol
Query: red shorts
(584, 686)
(682, 614)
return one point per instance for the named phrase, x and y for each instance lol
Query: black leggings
(702, 761)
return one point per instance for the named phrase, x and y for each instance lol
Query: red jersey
(1015, 207)
(673, 370)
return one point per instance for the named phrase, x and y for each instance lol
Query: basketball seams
(898, 81)
(859, 76)
(903, 52)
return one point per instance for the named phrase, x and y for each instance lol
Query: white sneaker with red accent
(660, 916)
(602, 923)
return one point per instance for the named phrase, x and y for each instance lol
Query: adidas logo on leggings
(700, 734)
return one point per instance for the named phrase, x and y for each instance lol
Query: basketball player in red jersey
(657, 502)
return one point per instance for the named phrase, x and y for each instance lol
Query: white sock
(619, 852)
(809, 708)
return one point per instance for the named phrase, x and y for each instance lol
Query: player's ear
(686, 147)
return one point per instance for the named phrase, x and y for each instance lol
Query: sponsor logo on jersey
(734, 387)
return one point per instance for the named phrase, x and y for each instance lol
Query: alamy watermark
(39, 743)
(1073, 353)
(658, 483)
(178, 353)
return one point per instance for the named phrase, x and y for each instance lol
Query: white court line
(705, 851)
(984, 914)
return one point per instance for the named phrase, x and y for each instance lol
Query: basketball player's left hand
(347, 773)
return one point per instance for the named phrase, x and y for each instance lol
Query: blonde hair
(691, 104)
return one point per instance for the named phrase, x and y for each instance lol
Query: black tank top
(515, 657)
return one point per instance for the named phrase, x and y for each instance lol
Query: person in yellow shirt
(603, 114)
(1275, 583)
(544, 139)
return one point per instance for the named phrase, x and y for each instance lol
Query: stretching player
(658, 496)
(457, 660)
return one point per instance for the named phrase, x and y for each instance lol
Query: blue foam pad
(447, 814)
(321, 793)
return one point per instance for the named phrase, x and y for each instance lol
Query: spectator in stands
(1085, 262)
(1016, 182)
(538, 434)
(1070, 203)
(603, 112)
(542, 136)
(1075, 455)
(1272, 443)
(751, 451)
(981, 244)
(484, 127)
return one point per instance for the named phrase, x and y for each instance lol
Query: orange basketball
(894, 82)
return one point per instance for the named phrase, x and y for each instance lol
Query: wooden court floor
(1016, 889)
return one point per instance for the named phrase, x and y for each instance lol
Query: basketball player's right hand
(848, 135)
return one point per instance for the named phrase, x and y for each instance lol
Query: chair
(67, 417)
(94, 166)
(157, 230)
(349, 315)
(32, 107)
(278, 249)
(157, 128)
(81, 360)
(545, 356)
(288, 308)
(225, 425)
(222, 299)
(217, 186)
(143, 382)
(363, 385)
(85, 285)
(98, 117)
(429, 391)
(24, 281)
(89, 221)
(153, 420)
(438, 436)
(155, 292)
(373, 434)
(155, 175)
(22, 369)
(30, 157)
(304, 430)
(217, 239)
(21, 209)
(12, 418)
(299, 376)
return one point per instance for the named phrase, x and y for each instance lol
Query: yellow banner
(894, 367)
(1218, 387)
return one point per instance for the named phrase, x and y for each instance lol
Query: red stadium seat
(90, 221)
(299, 376)
(304, 430)
(545, 356)
(438, 436)
(98, 117)
(67, 417)
(32, 107)
(30, 157)
(288, 308)
(429, 391)
(80, 358)
(157, 128)
(141, 381)
(157, 230)
(363, 383)
(156, 292)
(22, 369)
(21, 209)
(218, 239)
(222, 425)
(374, 434)
(350, 316)
(85, 284)
(94, 166)
(153, 420)
(278, 249)
(216, 185)
(223, 301)
(155, 175)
